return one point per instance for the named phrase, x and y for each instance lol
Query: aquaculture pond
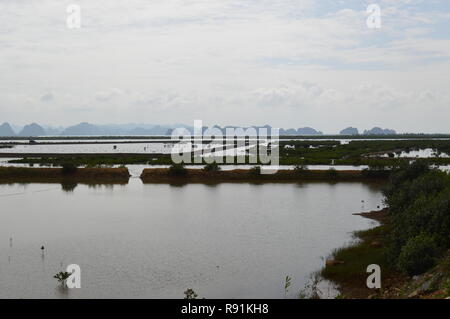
(157, 240)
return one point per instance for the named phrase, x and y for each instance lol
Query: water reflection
(69, 187)
(62, 292)
(157, 240)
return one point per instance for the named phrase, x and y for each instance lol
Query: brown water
(155, 241)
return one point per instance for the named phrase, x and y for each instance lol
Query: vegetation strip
(181, 174)
(378, 154)
(93, 175)
(411, 245)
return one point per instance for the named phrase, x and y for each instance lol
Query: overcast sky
(287, 63)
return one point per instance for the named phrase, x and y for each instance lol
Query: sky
(286, 63)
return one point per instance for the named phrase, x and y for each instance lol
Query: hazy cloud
(47, 97)
(287, 63)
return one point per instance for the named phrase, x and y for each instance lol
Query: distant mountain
(380, 131)
(349, 131)
(32, 129)
(141, 129)
(308, 131)
(115, 129)
(251, 130)
(289, 131)
(157, 130)
(254, 130)
(50, 130)
(6, 130)
(147, 129)
(82, 129)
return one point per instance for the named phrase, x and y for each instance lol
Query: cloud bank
(287, 63)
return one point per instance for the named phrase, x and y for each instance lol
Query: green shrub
(418, 255)
(376, 171)
(177, 170)
(255, 171)
(190, 294)
(212, 167)
(62, 276)
(68, 168)
(447, 287)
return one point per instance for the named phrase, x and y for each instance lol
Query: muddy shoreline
(47, 175)
(162, 175)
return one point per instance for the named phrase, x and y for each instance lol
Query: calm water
(92, 148)
(117, 148)
(160, 146)
(155, 241)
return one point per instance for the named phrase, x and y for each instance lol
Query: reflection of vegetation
(287, 284)
(190, 294)
(68, 186)
(332, 173)
(311, 289)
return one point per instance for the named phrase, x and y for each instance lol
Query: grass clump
(356, 258)
(177, 170)
(211, 167)
(255, 171)
(69, 169)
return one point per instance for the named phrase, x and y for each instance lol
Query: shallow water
(422, 153)
(91, 148)
(117, 148)
(155, 241)
(153, 146)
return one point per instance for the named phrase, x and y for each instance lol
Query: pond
(156, 241)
